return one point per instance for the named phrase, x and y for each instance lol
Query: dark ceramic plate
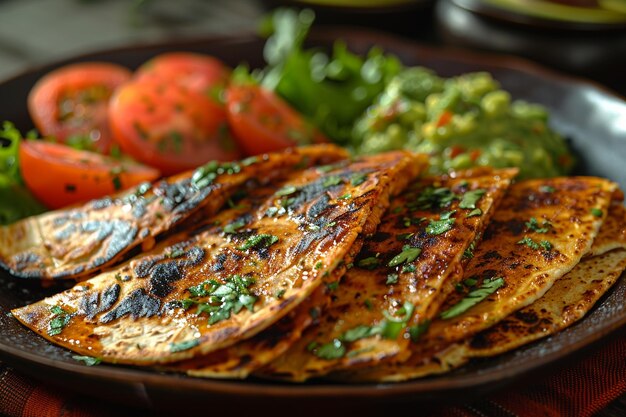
(593, 118)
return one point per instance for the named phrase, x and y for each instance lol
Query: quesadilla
(393, 290)
(540, 231)
(79, 241)
(223, 286)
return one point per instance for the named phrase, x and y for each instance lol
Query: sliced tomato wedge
(263, 122)
(200, 73)
(59, 175)
(71, 103)
(170, 127)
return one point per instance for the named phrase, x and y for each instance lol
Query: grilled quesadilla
(223, 286)
(79, 241)
(569, 299)
(540, 232)
(395, 286)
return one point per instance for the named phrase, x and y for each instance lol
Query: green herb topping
(445, 223)
(60, 319)
(488, 287)
(358, 179)
(408, 254)
(533, 225)
(234, 226)
(470, 198)
(596, 212)
(182, 346)
(544, 244)
(87, 360)
(368, 263)
(259, 241)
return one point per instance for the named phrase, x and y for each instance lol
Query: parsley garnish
(87, 360)
(331, 181)
(60, 319)
(433, 198)
(249, 161)
(445, 222)
(596, 212)
(287, 190)
(418, 330)
(391, 279)
(182, 346)
(259, 241)
(409, 268)
(546, 189)
(330, 351)
(470, 198)
(346, 196)
(368, 263)
(408, 254)
(206, 174)
(234, 226)
(533, 225)
(488, 287)
(474, 213)
(223, 299)
(544, 244)
(358, 179)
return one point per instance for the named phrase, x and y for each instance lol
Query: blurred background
(581, 37)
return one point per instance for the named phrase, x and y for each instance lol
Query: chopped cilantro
(433, 198)
(358, 179)
(445, 223)
(330, 351)
(332, 286)
(533, 225)
(346, 196)
(470, 198)
(488, 287)
(87, 360)
(280, 293)
(596, 212)
(544, 244)
(234, 226)
(408, 254)
(368, 304)
(249, 161)
(546, 189)
(409, 268)
(474, 213)
(331, 181)
(392, 279)
(368, 263)
(286, 190)
(60, 319)
(259, 241)
(182, 346)
(418, 330)
(223, 298)
(319, 265)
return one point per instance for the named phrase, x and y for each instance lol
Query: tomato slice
(200, 73)
(263, 122)
(170, 127)
(59, 175)
(71, 103)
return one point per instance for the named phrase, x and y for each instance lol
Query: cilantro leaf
(488, 287)
(408, 254)
(470, 198)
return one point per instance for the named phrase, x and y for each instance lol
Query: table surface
(34, 32)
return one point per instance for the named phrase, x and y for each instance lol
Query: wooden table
(38, 31)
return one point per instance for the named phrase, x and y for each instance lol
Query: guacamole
(461, 122)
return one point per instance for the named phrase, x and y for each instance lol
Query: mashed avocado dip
(462, 122)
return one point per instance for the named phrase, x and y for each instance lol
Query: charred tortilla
(223, 286)
(394, 288)
(78, 242)
(540, 232)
